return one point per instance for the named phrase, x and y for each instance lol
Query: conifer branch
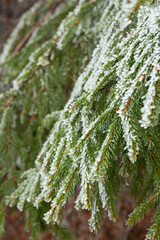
(109, 128)
(38, 24)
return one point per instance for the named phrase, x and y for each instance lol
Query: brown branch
(150, 200)
(155, 238)
(125, 110)
(56, 167)
(152, 157)
(65, 190)
(104, 153)
(138, 5)
(154, 99)
(38, 24)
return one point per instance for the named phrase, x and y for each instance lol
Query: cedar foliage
(99, 135)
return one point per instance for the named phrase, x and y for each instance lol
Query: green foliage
(107, 128)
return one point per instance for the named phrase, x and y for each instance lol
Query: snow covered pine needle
(53, 139)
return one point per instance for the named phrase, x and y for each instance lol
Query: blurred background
(76, 221)
(10, 11)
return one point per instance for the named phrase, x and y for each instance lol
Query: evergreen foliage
(104, 131)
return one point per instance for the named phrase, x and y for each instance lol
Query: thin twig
(38, 24)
